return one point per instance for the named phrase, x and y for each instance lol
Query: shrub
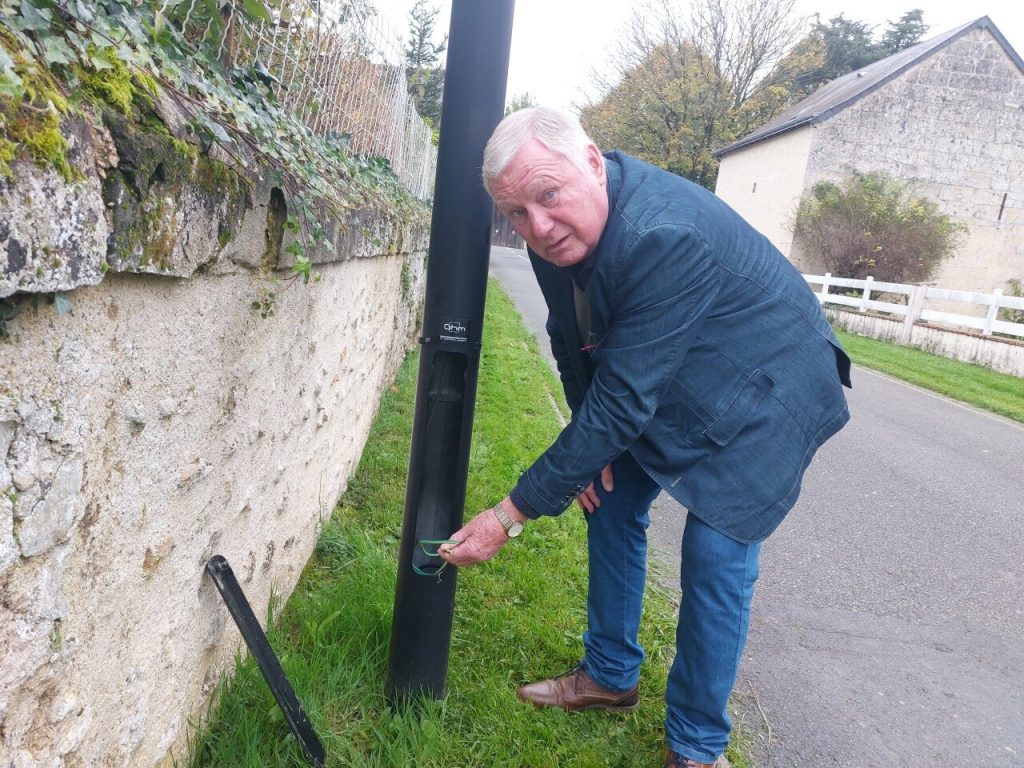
(872, 224)
(1015, 287)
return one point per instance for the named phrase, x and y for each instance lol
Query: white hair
(557, 130)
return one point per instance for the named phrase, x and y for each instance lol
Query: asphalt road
(888, 624)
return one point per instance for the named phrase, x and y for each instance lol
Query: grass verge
(972, 384)
(517, 617)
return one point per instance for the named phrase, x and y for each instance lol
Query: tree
(677, 84)
(848, 46)
(681, 85)
(658, 113)
(904, 33)
(789, 82)
(423, 70)
(740, 39)
(872, 224)
(519, 101)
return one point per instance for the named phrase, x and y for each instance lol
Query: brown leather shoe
(675, 760)
(575, 691)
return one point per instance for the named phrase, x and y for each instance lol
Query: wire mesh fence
(336, 66)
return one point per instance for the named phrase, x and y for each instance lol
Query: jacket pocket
(740, 409)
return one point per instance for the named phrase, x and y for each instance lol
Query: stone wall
(150, 418)
(953, 126)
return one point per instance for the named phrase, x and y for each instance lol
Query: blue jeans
(717, 579)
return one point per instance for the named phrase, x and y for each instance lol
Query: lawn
(972, 384)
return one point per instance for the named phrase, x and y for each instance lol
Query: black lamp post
(474, 98)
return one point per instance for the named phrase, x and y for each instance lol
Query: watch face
(515, 530)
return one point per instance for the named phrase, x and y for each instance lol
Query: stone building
(946, 115)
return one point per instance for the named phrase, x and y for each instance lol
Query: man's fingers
(479, 540)
(470, 552)
(589, 499)
(451, 554)
(456, 558)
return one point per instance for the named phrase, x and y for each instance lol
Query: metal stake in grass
(266, 660)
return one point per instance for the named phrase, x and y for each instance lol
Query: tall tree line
(684, 83)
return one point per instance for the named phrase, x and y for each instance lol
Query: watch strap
(503, 518)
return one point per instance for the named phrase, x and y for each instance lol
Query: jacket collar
(613, 187)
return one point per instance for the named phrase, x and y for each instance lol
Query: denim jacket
(708, 359)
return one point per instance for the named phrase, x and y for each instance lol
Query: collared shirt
(580, 274)
(581, 271)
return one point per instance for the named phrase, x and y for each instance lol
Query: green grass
(975, 385)
(517, 618)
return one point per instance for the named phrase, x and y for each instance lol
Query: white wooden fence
(916, 307)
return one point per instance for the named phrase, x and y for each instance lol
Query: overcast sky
(557, 43)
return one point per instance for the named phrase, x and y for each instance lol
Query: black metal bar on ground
(479, 38)
(259, 647)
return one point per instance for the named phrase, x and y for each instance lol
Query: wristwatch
(512, 527)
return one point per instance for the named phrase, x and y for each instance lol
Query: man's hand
(480, 538)
(589, 500)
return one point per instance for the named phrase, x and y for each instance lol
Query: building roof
(845, 90)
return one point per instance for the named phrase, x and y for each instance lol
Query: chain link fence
(336, 66)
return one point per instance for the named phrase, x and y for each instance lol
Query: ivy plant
(176, 45)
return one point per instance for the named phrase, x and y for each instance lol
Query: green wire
(436, 544)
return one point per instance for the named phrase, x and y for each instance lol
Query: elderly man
(695, 360)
